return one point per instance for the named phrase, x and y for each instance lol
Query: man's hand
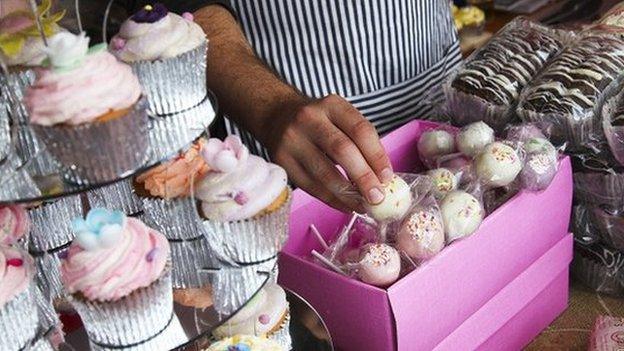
(307, 137)
(309, 141)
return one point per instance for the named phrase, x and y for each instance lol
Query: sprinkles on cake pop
(15, 262)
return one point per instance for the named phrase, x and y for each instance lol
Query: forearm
(249, 92)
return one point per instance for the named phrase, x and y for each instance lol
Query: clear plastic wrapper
(487, 87)
(435, 144)
(570, 91)
(610, 226)
(499, 164)
(599, 267)
(614, 17)
(600, 189)
(613, 125)
(462, 212)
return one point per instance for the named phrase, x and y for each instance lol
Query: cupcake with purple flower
(118, 273)
(168, 54)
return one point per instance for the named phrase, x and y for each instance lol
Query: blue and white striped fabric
(383, 56)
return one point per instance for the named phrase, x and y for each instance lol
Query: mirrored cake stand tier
(36, 176)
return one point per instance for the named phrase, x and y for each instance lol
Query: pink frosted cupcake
(18, 311)
(119, 278)
(245, 202)
(14, 225)
(86, 102)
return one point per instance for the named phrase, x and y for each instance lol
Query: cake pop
(462, 214)
(421, 235)
(397, 201)
(433, 144)
(444, 181)
(379, 265)
(538, 171)
(498, 165)
(473, 138)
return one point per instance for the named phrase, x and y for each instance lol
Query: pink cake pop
(379, 265)
(421, 235)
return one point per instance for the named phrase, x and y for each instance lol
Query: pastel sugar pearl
(421, 235)
(397, 201)
(498, 165)
(379, 265)
(473, 138)
(462, 214)
(444, 181)
(433, 144)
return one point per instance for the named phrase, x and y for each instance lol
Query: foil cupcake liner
(33, 152)
(175, 132)
(13, 87)
(100, 151)
(18, 321)
(119, 196)
(233, 286)
(133, 321)
(49, 320)
(5, 131)
(17, 183)
(282, 335)
(251, 240)
(184, 77)
(600, 268)
(41, 344)
(50, 237)
(177, 220)
(600, 189)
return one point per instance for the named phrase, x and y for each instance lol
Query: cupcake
(165, 192)
(18, 311)
(164, 47)
(14, 225)
(244, 201)
(245, 343)
(266, 314)
(86, 102)
(118, 273)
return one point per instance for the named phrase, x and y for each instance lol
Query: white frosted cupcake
(244, 201)
(163, 47)
(246, 343)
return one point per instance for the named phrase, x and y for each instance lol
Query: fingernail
(386, 175)
(375, 196)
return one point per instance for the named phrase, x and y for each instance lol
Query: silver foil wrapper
(174, 84)
(282, 335)
(233, 286)
(177, 220)
(17, 183)
(252, 240)
(133, 321)
(41, 344)
(50, 237)
(5, 131)
(171, 133)
(19, 321)
(119, 196)
(13, 88)
(33, 152)
(100, 151)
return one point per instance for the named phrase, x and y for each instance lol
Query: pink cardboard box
(423, 308)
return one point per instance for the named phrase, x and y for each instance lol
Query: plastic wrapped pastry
(570, 90)
(487, 87)
(599, 267)
(613, 125)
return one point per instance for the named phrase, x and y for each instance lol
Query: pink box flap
(511, 300)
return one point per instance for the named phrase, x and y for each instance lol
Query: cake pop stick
(319, 237)
(328, 263)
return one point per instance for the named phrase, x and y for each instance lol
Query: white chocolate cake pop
(421, 235)
(538, 171)
(540, 145)
(396, 203)
(462, 214)
(444, 181)
(473, 138)
(379, 265)
(435, 143)
(498, 165)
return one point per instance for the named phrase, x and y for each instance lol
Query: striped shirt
(384, 56)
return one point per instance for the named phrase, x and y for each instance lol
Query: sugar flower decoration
(66, 50)
(18, 26)
(150, 13)
(14, 224)
(101, 229)
(225, 156)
